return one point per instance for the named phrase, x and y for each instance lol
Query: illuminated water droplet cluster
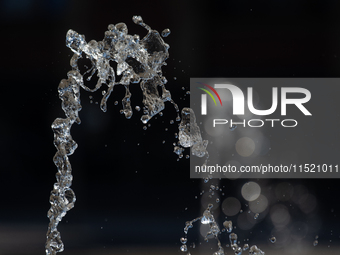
(254, 250)
(214, 232)
(138, 61)
(190, 135)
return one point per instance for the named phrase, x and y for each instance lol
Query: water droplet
(238, 250)
(233, 127)
(137, 108)
(256, 216)
(184, 248)
(233, 238)
(165, 32)
(254, 250)
(228, 225)
(178, 150)
(272, 239)
(187, 156)
(217, 200)
(316, 242)
(145, 128)
(116, 102)
(111, 27)
(160, 113)
(171, 122)
(137, 19)
(183, 240)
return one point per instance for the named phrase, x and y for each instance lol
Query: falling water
(214, 231)
(138, 61)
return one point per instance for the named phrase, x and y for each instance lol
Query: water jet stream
(138, 61)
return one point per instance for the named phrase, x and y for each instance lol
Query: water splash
(215, 232)
(138, 61)
(190, 135)
(62, 197)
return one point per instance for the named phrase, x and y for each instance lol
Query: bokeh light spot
(259, 205)
(251, 191)
(231, 206)
(245, 146)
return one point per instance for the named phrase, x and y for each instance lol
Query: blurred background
(133, 196)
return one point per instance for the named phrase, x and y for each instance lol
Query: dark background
(130, 189)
